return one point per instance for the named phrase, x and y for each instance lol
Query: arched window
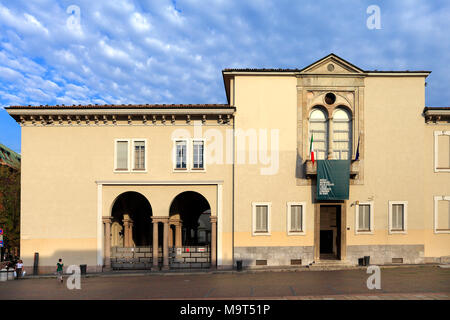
(342, 135)
(318, 129)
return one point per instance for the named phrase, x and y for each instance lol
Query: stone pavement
(420, 282)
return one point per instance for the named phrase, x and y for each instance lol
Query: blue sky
(167, 51)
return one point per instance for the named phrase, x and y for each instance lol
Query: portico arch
(131, 219)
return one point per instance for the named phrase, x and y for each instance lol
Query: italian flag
(311, 149)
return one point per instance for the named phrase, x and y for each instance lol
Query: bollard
(3, 275)
(239, 265)
(36, 263)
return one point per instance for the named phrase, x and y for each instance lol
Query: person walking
(18, 269)
(59, 270)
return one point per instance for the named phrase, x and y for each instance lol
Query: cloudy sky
(173, 51)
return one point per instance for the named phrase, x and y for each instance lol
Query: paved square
(418, 283)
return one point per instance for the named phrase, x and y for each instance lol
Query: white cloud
(140, 22)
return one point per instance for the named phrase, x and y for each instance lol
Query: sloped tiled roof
(9, 158)
(126, 106)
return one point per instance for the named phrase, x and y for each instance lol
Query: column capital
(107, 219)
(160, 219)
(213, 219)
(175, 222)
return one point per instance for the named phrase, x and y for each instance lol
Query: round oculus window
(330, 98)
(330, 67)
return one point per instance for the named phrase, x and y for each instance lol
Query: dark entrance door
(326, 241)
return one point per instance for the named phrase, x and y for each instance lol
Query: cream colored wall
(60, 167)
(270, 103)
(398, 163)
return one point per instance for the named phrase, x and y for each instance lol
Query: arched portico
(156, 246)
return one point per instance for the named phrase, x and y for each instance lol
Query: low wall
(190, 257)
(274, 256)
(384, 254)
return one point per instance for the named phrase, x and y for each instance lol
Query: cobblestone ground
(425, 283)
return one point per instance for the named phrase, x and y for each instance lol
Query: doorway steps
(324, 265)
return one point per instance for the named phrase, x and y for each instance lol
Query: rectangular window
(364, 221)
(181, 154)
(397, 216)
(364, 217)
(442, 214)
(139, 155)
(296, 218)
(442, 151)
(198, 149)
(122, 155)
(261, 218)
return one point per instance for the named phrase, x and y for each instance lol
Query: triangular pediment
(331, 64)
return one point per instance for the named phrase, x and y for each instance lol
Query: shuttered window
(364, 217)
(443, 215)
(139, 155)
(261, 218)
(122, 155)
(398, 217)
(443, 154)
(296, 218)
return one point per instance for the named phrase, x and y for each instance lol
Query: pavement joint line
(202, 272)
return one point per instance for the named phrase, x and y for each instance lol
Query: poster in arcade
(333, 177)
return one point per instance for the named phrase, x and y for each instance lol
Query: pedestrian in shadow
(59, 270)
(18, 269)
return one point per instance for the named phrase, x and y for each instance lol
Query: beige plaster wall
(60, 167)
(398, 163)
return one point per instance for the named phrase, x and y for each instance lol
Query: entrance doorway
(330, 233)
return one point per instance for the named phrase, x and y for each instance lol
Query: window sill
(261, 233)
(311, 170)
(364, 232)
(296, 233)
(397, 231)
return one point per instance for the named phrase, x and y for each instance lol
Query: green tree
(10, 206)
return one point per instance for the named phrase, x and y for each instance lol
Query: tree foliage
(10, 206)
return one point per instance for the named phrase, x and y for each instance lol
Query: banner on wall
(333, 179)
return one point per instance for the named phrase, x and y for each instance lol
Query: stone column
(107, 243)
(155, 243)
(213, 241)
(170, 235)
(177, 224)
(127, 224)
(166, 244)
